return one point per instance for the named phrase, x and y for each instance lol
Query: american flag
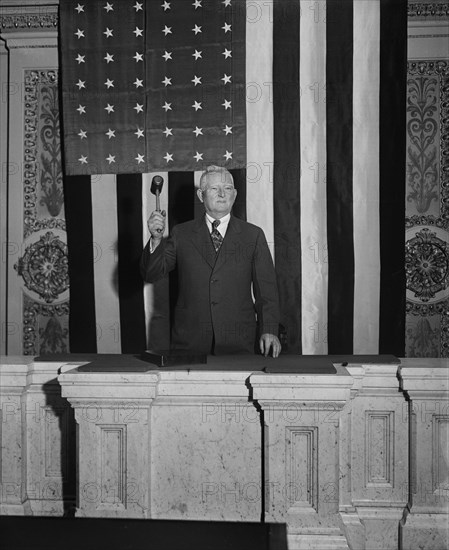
(303, 100)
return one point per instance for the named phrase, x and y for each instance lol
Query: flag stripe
(259, 117)
(239, 208)
(287, 196)
(77, 199)
(314, 266)
(339, 82)
(393, 66)
(105, 234)
(132, 316)
(366, 176)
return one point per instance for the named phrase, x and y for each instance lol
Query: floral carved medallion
(44, 267)
(427, 266)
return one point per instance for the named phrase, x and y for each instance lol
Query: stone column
(426, 384)
(373, 458)
(113, 415)
(301, 415)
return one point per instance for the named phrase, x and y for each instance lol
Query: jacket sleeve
(156, 265)
(265, 288)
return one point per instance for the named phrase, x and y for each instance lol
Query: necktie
(216, 236)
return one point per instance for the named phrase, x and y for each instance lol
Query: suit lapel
(230, 242)
(202, 241)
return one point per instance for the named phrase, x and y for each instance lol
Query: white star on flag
(227, 53)
(197, 55)
(108, 57)
(228, 155)
(110, 158)
(166, 6)
(110, 133)
(168, 157)
(227, 129)
(197, 105)
(226, 79)
(198, 156)
(81, 84)
(167, 131)
(167, 55)
(167, 81)
(137, 6)
(80, 58)
(167, 106)
(79, 8)
(139, 133)
(197, 4)
(166, 30)
(198, 131)
(226, 3)
(139, 158)
(82, 134)
(226, 104)
(81, 109)
(138, 32)
(196, 29)
(138, 83)
(226, 28)
(138, 57)
(108, 7)
(109, 83)
(138, 108)
(83, 159)
(109, 108)
(80, 34)
(196, 80)
(108, 32)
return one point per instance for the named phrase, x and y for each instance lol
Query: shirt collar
(224, 220)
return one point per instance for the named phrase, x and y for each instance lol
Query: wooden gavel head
(156, 185)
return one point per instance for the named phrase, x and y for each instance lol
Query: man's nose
(221, 192)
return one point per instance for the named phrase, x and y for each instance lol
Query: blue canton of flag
(153, 86)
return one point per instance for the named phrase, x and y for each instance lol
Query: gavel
(156, 187)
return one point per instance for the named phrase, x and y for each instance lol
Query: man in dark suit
(222, 261)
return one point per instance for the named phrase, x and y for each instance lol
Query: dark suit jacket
(215, 299)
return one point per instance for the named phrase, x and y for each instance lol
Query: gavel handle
(158, 206)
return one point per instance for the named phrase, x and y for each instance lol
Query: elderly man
(222, 262)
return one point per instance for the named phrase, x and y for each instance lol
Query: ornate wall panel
(43, 264)
(427, 209)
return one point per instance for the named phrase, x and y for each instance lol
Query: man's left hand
(268, 341)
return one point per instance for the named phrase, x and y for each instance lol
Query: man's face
(218, 195)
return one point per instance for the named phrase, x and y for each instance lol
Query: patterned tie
(216, 236)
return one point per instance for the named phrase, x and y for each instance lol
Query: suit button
(213, 303)
(213, 280)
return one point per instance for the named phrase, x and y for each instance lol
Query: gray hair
(212, 169)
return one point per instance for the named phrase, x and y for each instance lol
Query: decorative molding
(379, 445)
(433, 10)
(302, 467)
(426, 266)
(113, 466)
(440, 455)
(42, 173)
(44, 267)
(51, 339)
(28, 18)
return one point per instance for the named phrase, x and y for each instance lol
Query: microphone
(156, 187)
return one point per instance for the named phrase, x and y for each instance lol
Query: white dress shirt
(224, 222)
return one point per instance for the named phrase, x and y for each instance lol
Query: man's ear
(200, 194)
